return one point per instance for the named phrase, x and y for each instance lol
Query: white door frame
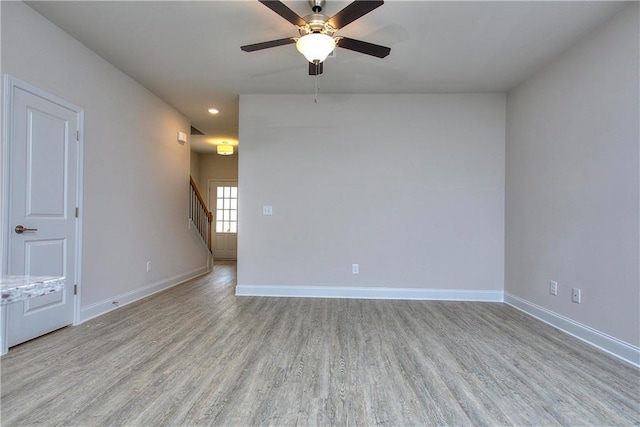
(215, 182)
(11, 83)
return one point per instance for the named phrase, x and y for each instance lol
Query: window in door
(226, 209)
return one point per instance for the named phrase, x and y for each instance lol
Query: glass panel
(226, 209)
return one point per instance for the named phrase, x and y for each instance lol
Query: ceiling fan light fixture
(316, 46)
(224, 149)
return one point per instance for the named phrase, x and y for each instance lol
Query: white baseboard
(369, 293)
(614, 346)
(100, 308)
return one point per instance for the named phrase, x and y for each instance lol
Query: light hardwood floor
(198, 355)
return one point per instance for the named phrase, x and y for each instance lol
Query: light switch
(267, 210)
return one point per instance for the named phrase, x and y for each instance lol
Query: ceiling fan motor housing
(317, 23)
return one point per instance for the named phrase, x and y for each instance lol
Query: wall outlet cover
(576, 295)
(553, 287)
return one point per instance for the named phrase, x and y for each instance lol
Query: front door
(223, 203)
(43, 165)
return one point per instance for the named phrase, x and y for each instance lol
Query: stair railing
(199, 214)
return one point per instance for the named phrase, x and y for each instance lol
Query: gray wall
(136, 175)
(572, 180)
(194, 168)
(411, 187)
(213, 166)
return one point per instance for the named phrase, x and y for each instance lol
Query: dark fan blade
(352, 12)
(364, 47)
(315, 69)
(282, 10)
(267, 45)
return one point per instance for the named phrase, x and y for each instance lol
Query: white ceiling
(188, 52)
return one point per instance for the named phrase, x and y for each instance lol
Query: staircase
(199, 215)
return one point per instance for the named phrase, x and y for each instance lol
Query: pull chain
(317, 88)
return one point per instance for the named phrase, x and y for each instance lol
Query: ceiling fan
(317, 31)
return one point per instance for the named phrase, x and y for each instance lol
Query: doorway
(42, 170)
(223, 203)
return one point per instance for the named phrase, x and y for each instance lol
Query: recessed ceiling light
(213, 111)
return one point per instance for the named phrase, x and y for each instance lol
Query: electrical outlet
(355, 269)
(267, 210)
(575, 295)
(553, 287)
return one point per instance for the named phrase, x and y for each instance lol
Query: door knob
(21, 229)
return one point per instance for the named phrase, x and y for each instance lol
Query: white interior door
(223, 203)
(43, 195)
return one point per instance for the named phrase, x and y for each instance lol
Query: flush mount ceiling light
(316, 46)
(224, 149)
(213, 111)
